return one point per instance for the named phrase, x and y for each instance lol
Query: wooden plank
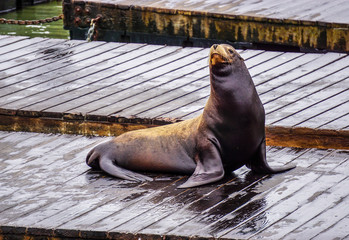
(261, 75)
(132, 70)
(227, 21)
(115, 125)
(126, 67)
(90, 63)
(305, 90)
(141, 92)
(167, 96)
(250, 62)
(18, 45)
(25, 143)
(130, 93)
(308, 211)
(320, 118)
(38, 190)
(77, 202)
(177, 203)
(321, 222)
(180, 214)
(38, 72)
(262, 58)
(15, 57)
(337, 69)
(63, 207)
(106, 105)
(307, 137)
(184, 99)
(8, 40)
(278, 60)
(170, 200)
(335, 14)
(300, 71)
(284, 69)
(126, 196)
(262, 6)
(46, 64)
(300, 11)
(216, 220)
(4, 36)
(269, 74)
(187, 111)
(247, 54)
(217, 203)
(340, 122)
(147, 195)
(288, 9)
(329, 101)
(253, 226)
(154, 89)
(339, 230)
(17, 163)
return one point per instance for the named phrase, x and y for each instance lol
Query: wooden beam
(46, 122)
(131, 22)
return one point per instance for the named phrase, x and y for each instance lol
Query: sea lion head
(223, 59)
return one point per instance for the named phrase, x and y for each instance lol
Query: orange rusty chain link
(30, 22)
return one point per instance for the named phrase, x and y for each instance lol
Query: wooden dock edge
(133, 19)
(307, 137)
(95, 125)
(12, 232)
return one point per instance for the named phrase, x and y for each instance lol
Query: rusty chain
(92, 31)
(30, 22)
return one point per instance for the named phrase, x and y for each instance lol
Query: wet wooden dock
(140, 84)
(60, 86)
(47, 190)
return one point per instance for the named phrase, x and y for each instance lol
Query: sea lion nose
(215, 46)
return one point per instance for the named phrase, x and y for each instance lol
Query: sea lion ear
(209, 167)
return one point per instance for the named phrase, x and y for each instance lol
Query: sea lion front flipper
(259, 164)
(209, 167)
(110, 167)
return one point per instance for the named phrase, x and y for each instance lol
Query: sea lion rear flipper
(209, 168)
(259, 164)
(110, 167)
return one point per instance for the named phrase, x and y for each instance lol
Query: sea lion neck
(231, 82)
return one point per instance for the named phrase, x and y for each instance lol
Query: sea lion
(228, 134)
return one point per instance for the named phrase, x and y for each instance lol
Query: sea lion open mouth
(218, 55)
(217, 59)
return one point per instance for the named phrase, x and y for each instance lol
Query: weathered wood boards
(69, 86)
(47, 190)
(312, 25)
